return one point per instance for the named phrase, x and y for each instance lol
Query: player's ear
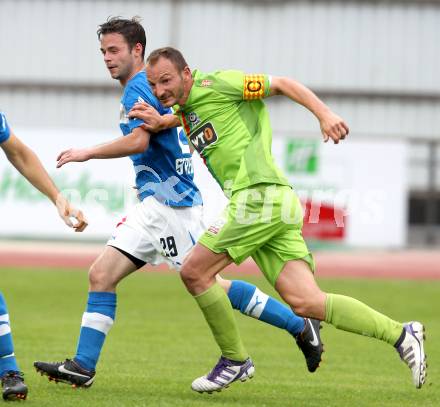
(187, 73)
(138, 48)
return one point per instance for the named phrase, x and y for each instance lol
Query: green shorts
(264, 222)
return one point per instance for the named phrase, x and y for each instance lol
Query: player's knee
(303, 306)
(191, 273)
(98, 278)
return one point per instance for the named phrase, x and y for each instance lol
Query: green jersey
(226, 121)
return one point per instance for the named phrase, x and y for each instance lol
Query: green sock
(218, 312)
(352, 315)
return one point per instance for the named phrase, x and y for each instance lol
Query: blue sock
(7, 356)
(96, 322)
(249, 300)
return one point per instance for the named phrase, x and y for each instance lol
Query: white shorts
(156, 233)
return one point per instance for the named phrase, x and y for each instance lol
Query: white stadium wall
(350, 195)
(354, 45)
(375, 63)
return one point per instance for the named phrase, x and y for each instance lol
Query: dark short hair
(131, 30)
(172, 54)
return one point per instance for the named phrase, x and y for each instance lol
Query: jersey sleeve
(140, 93)
(255, 86)
(245, 86)
(5, 131)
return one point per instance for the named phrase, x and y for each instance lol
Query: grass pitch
(160, 343)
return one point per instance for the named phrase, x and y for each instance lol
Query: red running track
(411, 264)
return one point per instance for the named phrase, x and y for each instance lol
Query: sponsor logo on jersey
(203, 137)
(206, 83)
(123, 118)
(163, 190)
(184, 166)
(253, 87)
(193, 119)
(3, 124)
(183, 143)
(189, 121)
(216, 226)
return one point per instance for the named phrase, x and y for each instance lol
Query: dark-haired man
(28, 164)
(233, 134)
(163, 227)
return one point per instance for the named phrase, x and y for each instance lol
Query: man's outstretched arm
(153, 121)
(134, 143)
(332, 126)
(30, 166)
